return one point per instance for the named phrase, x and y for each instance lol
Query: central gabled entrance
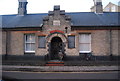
(56, 48)
(56, 45)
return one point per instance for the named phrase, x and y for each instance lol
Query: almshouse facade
(73, 35)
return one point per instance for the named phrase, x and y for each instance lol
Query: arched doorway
(54, 41)
(55, 47)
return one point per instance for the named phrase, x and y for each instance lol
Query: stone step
(55, 62)
(54, 65)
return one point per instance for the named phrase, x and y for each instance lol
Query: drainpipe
(6, 45)
(111, 45)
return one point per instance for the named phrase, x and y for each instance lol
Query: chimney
(22, 7)
(56, 7)
(98, 6)
(56, 11)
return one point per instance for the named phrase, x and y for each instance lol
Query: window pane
(29, 42)
(28, 47)
(84, 47)
(32, 47)
(27, 38)
(30, 38)
(71, 41)
(42, 42)
(84, 38)
(84, 42)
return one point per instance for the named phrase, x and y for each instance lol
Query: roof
(111, 4)
(77, 19)
(29, 20)
(93, 19)
(115, 3)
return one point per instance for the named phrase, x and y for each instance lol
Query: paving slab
(61, 68)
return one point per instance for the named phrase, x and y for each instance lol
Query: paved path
(61, 75)
(59, 68)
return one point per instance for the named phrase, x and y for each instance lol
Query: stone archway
(56, 34)
(59, 40)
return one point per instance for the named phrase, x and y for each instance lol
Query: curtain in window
(84, 43)
(30, 43)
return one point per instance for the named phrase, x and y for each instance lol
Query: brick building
(112, 7)
(75, 35)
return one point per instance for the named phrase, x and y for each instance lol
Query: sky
(43, 6)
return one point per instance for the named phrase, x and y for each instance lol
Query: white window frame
(90, 45)
(29, 43)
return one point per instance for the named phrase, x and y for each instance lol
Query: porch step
(54, 63)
